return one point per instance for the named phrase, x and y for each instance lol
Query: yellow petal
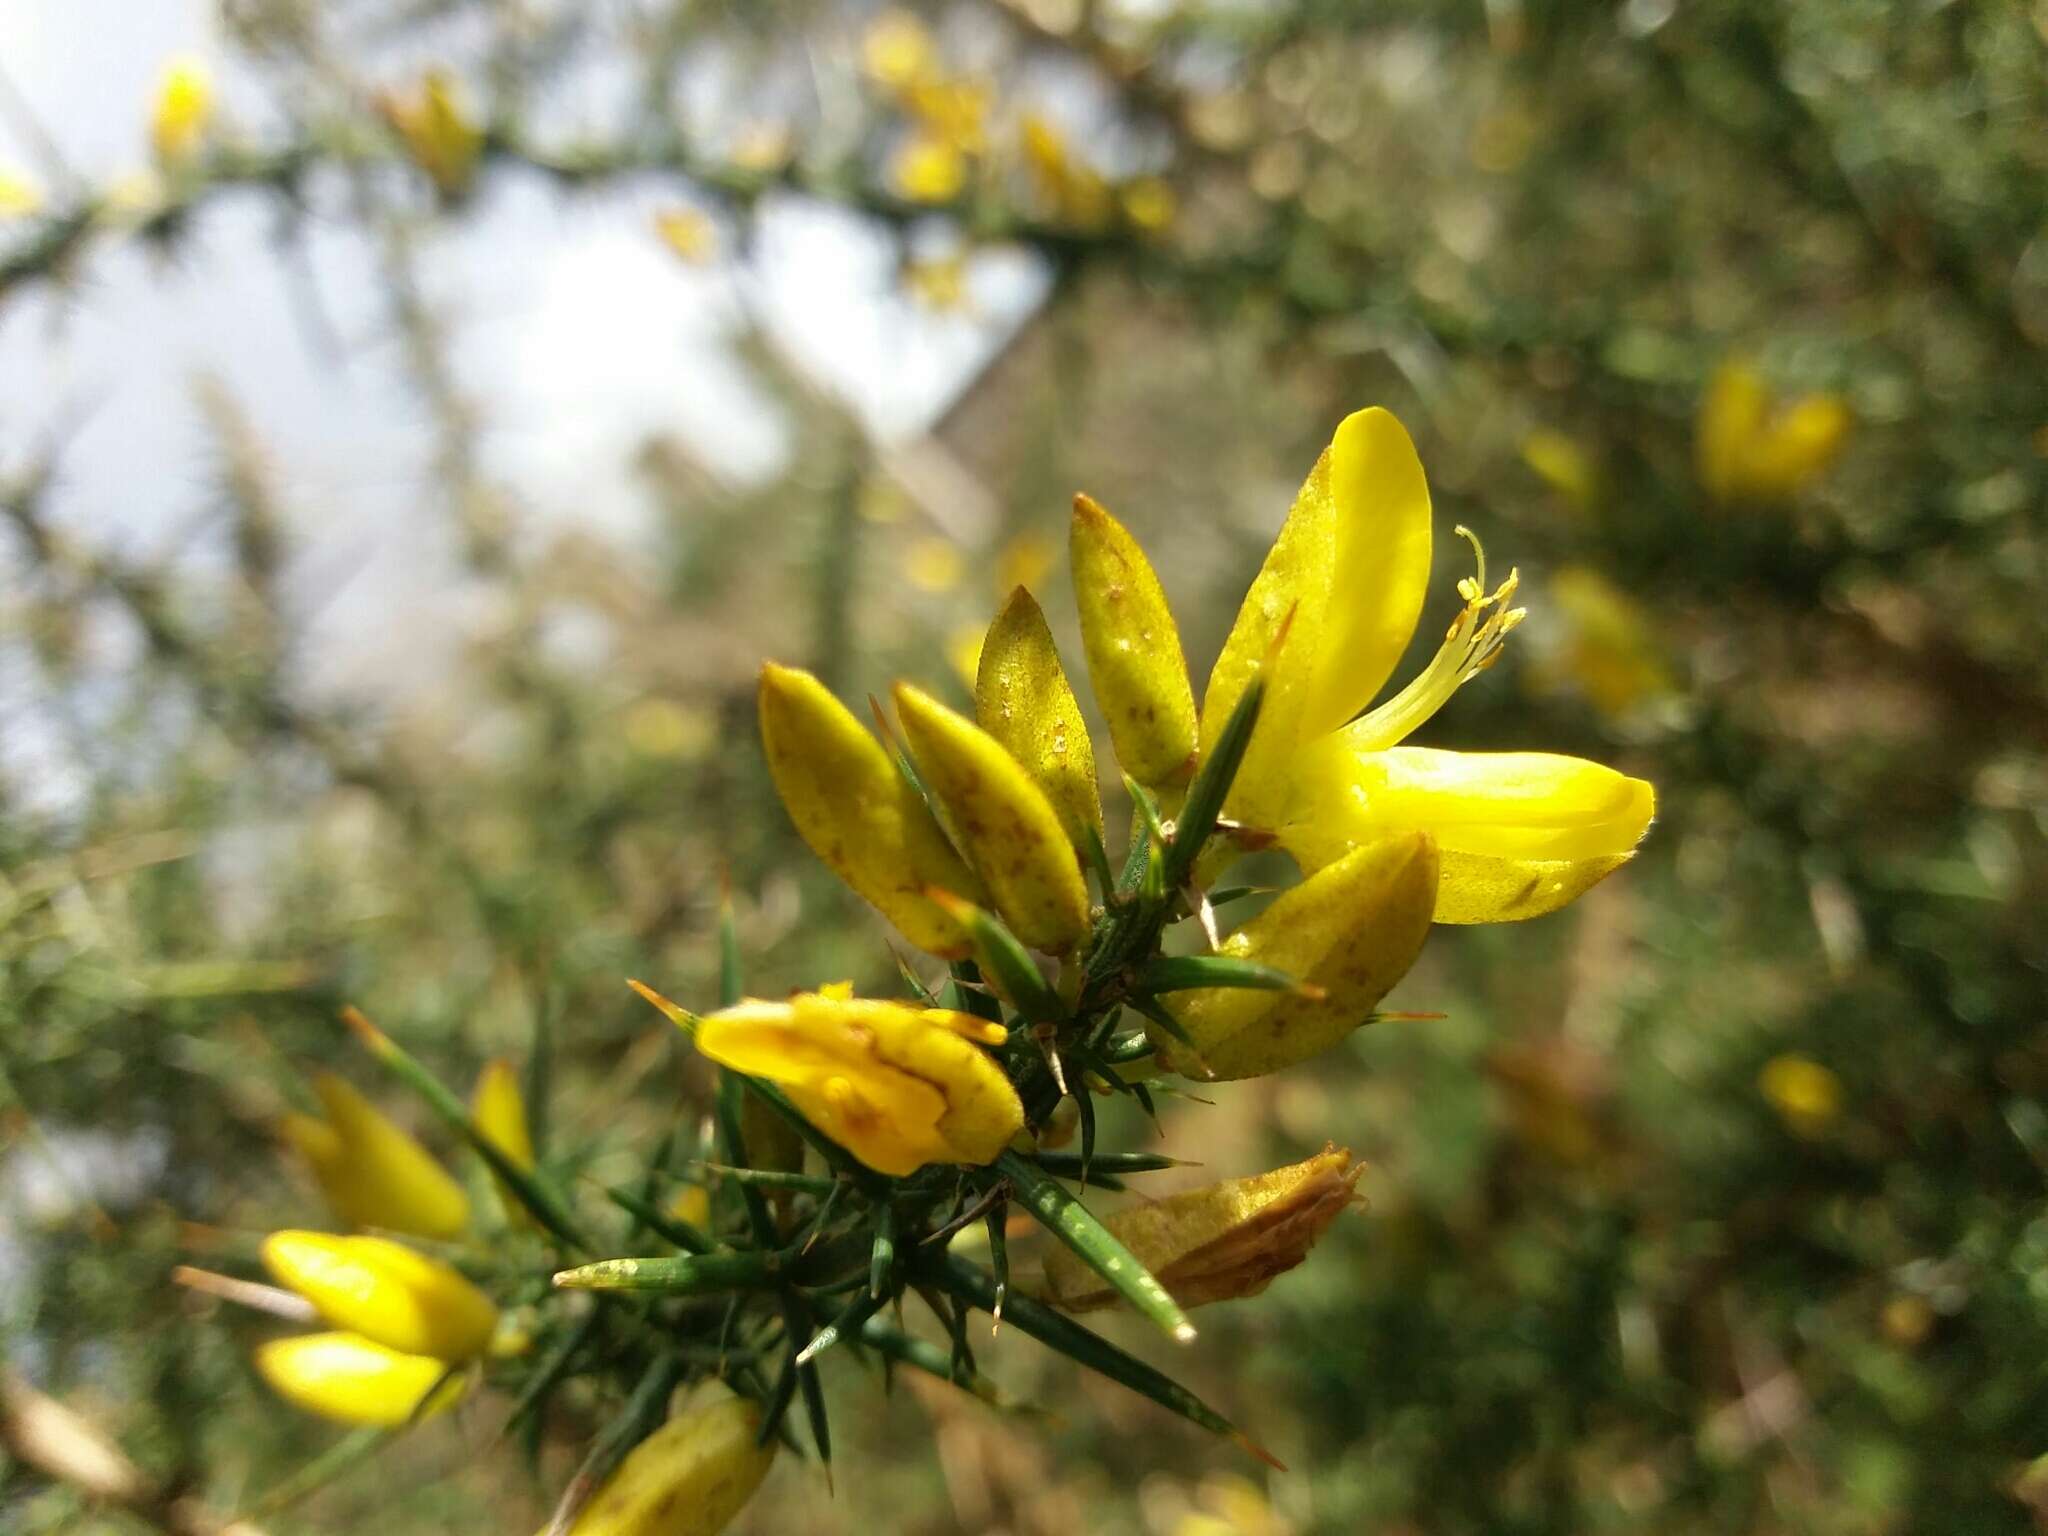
(1731, 417)
(1220, 1241)
(1518, 833)
(350, 1380)
(688, 1478)
(1346, 576)
(897, 1086)
(1133, 650)
(500, 1111)
(858, 813)
(183, 108)
(383, 1177)
(1003, 820)
(384, 1291)
(1353, 929)
(1023, 699)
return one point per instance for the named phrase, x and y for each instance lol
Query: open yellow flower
(898, 1086)
(1517, 834)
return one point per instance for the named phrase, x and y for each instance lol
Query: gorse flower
(1752, 448)
(372, 1173)
(896, 1085)
(349, 1379)
(439, 133)
(384, 1291)
(688, 1478)
(182, 111)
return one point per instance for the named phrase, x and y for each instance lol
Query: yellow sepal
(1003, 821)
(1352, 929)
(858, 813)
(688, 1478)
(1133, 648)
(1023, 699)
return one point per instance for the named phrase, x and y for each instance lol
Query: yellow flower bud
(898, 1086)
(853, 806)
(1750, 449)
(384, 1291)
(381, 1177)
(688, 1478)
(183, 109)
(1806, 1095)
(351, 1380)
(439, 134)
(1003, 820)
(1220, 1241)
(500, 1112)
(1133, 649)
(1023, 699)
(1352, 929)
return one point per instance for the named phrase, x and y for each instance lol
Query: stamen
(1472, 644)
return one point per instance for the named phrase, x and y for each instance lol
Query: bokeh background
(389, 542)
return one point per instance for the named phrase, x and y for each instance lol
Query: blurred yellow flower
(963, 651)
(349, 1379)
(384, 1291)
(897, 1085)
(1806, 1095)
(372, 1172)
(897, 51)
(953, 111)
(692, 1203)
(1518, 834)
(1072, 192)
(1753, 448)
(761, 147)
(20, 198)
(1149, 203)
(1564, 466)
(688, 233)
(1024, 561)
(689, 1478)
(662, 728)
(934, 565)
(439, 133)
(1220, 1241)
(1609, 649)
(929, 169)
(940, 285)
(182, 110)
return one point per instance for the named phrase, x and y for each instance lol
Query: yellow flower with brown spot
(1223, 1240)
(689, 1478)
(897, 1085)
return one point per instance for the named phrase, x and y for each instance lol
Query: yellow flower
(372, 1173)
(183, 109)
(441, 136)
(1518, 834)
(1220, 1241)
(897, 51)
(940, 285)
(688, 233)
(1073, 193)
(1564, 466)
(384, 1291)
(688, 1478)
(1751, 448)
(934, 565)
(1351, 930)
(692, 1202)
(930, 169)
(1149, 203)
(897, 1085)
(19, 197)
(1609, 650)
(1806, 1095)
(952, 111)
(500, 1111)
(351, 1380)
(859, 813)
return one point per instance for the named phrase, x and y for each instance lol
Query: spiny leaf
(1003, 958)
(684, 1275)
(1095, 1245)
(1204, 803)
(660, 1222)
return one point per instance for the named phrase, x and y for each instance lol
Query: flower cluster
(864, 1151)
